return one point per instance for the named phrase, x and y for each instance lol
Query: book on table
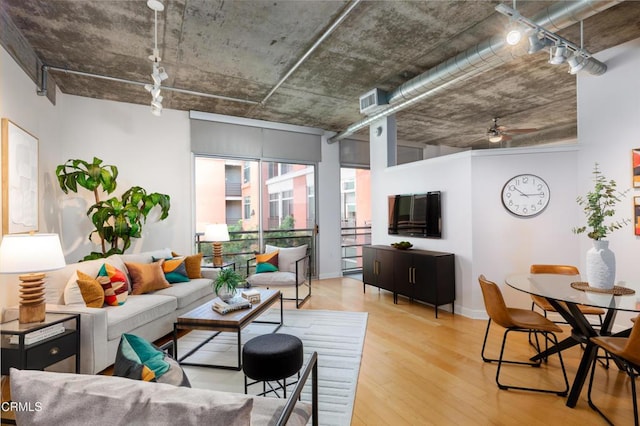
(231, 305)
(252, 295)
(38, 335)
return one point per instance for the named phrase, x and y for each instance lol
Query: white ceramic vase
(601, 265)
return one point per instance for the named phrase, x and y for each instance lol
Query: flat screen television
(416, 215)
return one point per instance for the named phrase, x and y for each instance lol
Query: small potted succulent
(226, 283)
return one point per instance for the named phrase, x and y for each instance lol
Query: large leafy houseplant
(599, 206)
(116, 220)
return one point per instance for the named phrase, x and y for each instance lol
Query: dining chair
(627, 351)
(518, 320)
(544, 304)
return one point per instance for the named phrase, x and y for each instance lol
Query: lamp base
(217, 255)
(32, 306)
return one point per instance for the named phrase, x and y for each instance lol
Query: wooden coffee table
(205, 318)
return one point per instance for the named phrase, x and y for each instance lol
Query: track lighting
(514, 34)
(158, 74)
(536, 44)
(557, 54)
(576, 63)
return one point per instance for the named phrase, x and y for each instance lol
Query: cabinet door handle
(410, 282)
(414, 275)
(54, 351)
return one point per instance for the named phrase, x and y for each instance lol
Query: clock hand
(526, 195)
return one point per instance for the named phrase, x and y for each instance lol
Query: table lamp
(216, 233)
(30, 255)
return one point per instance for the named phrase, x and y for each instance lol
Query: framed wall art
(636, 215)
(635, 158)
(19, 179)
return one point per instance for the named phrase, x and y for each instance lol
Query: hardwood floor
(418, 370)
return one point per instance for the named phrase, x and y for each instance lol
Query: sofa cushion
(188, 293)
(193, 264)
(118, 280)
(138, 311)
(287, 256)
(78, 399)
(272, 279)
(147, 256)
(146, 277)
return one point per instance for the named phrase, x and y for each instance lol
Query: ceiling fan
(497, 133)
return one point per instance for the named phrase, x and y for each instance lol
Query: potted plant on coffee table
(226, 283)
(599, 207)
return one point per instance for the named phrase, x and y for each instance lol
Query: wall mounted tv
(415, 215)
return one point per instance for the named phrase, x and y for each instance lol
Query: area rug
(337, 336)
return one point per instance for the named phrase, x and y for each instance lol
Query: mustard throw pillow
(91, 290)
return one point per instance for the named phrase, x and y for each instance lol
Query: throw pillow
(193, 264)
(91, 290)
(147, 277)
(175, 270)
(72, 293)
(139, 359)
(287, 256)
(267, 262)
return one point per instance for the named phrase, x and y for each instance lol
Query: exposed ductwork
(482, 57)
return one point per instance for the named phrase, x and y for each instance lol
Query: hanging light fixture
(577, 61)
(514, 34)
(158, 74)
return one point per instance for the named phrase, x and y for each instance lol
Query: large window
(275, 205)
(355, 196)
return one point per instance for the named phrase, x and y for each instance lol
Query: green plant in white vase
(226, 283)
(599, 208)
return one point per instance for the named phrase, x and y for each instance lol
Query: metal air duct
(482, 57)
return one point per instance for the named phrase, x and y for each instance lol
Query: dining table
(565, 293)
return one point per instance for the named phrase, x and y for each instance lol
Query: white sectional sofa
(150, 315)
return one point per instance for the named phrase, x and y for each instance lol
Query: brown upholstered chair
(519, 320)
(627, 351)
(544, 304)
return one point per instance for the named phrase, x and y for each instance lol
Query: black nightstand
(43, 353)
(39, 354)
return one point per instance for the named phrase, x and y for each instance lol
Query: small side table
(41, 354)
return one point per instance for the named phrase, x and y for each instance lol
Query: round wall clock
(525, 195)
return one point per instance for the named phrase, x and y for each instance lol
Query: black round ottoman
(271, 358)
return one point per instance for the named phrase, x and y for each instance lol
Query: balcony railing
(353, 238)
(244, 245)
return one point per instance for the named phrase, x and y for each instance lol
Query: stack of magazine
(38, 335)
(231, 305)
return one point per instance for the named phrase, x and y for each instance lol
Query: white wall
(608, 129)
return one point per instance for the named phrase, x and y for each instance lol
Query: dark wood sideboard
(427, 276)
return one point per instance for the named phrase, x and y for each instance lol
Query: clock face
(525, 195)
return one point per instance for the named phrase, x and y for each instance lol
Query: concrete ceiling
(241, 49)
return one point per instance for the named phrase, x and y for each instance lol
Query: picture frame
(635, 167)
(636, 215)
(19, 179)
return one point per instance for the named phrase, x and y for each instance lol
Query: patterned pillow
(114, 283)
(139, 359)
(193, 264)
(175, 270)
(147, 277)
(267, 262)
(91, 290)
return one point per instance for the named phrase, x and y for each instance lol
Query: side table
(18, 351)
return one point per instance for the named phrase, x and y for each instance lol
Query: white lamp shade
(216, 232)
(26, 253)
